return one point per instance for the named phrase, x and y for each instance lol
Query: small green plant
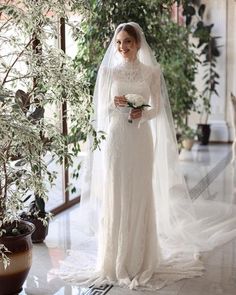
(188, 133)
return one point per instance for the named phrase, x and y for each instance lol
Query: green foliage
(188, 133)
(4, 259)
(37, 78)
(20, 138)
(180, 65)
(209, 51)
(168, 40)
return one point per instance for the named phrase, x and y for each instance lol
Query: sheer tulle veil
(184, 227)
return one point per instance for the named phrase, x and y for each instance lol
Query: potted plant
(187, 137)
(36, 212)
(209, 52)
(35, 76)
(18, 136)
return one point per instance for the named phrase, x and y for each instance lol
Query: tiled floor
(204, 167)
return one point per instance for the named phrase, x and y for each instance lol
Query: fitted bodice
(131, 78)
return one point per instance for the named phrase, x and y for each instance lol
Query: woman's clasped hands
(121, 101)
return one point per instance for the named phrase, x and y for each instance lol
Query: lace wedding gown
(148, 231)
(129, 245)
(129, 250)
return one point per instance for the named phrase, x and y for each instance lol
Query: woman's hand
(136, 114)
(120, 101)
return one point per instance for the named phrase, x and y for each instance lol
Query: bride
(148, 230)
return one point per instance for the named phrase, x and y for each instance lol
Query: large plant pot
(13, 277)
(41, 231)
(178, 139)
(204, 131)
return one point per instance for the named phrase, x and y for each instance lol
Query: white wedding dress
(146, 230)
(129, 252)
(129, 245)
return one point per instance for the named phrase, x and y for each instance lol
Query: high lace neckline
(129, 70)
(130, 64)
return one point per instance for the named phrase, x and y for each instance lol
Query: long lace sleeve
(111, 105)
(155, 89)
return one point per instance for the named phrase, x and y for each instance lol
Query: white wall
(231, 62)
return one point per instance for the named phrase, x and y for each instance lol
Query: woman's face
(126, 45)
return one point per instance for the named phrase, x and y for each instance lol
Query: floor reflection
(220, 264)
(65, 290)
(39, 280)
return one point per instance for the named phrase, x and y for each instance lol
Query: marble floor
(208, 171)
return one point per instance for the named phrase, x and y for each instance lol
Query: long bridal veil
(185, 227)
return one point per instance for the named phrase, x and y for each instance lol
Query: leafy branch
(16, 59)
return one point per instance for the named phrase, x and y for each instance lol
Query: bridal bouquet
(135, 101)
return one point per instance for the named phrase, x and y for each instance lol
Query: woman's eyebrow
(127, 38)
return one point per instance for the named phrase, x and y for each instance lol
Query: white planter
(188, 144)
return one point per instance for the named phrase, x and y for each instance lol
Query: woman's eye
(118, 42)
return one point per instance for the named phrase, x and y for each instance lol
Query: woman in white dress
(149, 231)
(128, 225)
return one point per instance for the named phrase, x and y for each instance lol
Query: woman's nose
(123, 46)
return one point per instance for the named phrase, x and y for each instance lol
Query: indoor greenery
(36, 79)
(208, 53)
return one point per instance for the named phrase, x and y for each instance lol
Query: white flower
(135, 99)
